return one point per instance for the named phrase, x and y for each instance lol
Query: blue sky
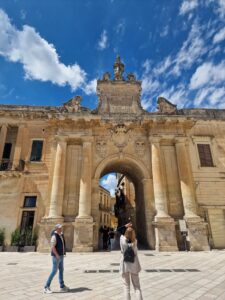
(52, 50)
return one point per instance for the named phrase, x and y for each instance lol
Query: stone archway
(139, 175)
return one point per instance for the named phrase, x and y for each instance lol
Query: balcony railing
(6, 165)
(104, 207)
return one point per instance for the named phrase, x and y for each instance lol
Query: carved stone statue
(131, 77)
(73, 105)
(106, 76)
(118, 69)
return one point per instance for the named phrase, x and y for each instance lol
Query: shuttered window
(205, 155)
(36, 151)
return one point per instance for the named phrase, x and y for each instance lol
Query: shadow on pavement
(80, 289)
(75, 290)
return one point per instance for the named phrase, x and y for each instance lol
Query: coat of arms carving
(120, 136)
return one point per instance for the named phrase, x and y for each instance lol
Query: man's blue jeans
(56, 264)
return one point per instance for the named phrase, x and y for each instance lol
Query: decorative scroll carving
(166, 107)
(140, 147)
(101, 147)
(73, 105)
(120, 136)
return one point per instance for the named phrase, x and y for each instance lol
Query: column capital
(4, 125)
(61, 138)
(181, 140)
(155, 139)
(87, 140)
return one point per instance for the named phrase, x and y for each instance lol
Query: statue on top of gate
(118, 69)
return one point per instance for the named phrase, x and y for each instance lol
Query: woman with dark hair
(130, 270)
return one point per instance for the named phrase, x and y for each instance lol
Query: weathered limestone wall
(10, 203)
(210, 181)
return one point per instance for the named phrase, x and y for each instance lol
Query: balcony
(6, 165)
(104, 208)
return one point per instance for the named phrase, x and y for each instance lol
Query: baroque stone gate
(158, 151)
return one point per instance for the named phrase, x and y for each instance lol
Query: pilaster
(3, 133)
(18, 147)
(83, 225)
(164, 225)
(196, 227)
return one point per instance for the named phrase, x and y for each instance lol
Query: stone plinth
(197, 235)
(83, 235)
(165, 234)
(46, 226)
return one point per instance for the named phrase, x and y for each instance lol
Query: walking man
(58, 250)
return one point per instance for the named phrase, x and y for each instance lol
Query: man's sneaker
(47, 290)
(65, 289)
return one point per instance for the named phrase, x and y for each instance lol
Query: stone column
(164, 225)
(57, 193)
(83, 225)
(3, 134)
(158, 184)
(56, 199)
(196, 226)
(18, 148)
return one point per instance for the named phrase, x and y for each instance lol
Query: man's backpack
(129, 255)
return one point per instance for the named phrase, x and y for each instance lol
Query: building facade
(53, 158)
(105, 207)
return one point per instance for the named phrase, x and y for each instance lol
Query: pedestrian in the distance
(58, 251)
(130, 270)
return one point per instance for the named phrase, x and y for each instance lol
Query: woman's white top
(125, 267)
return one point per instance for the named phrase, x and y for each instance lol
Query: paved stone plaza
(181, 275)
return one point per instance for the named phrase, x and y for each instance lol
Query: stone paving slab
(167, 276)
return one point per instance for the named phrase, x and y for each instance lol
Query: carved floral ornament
(120, 135)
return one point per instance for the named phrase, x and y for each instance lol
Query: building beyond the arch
(52, 159)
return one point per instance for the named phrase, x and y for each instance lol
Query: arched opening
(136, 174)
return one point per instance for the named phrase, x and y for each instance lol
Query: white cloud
(149, 85)
(202, 95)
(110, 183)
(177, 95)
(192, 49)
(103, 41)
(39, 58)
(220, 36)
(163, 66)
(147, 64)
(90, 88)
(23, 14)
(165, 31)
(187, 6)
(217, 96)
(120, 27)
(208, 73)
(221, 8)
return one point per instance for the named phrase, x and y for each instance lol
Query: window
(205, 155)
(30, 201)
(27, 220)
(7, 151)
(36, 151)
